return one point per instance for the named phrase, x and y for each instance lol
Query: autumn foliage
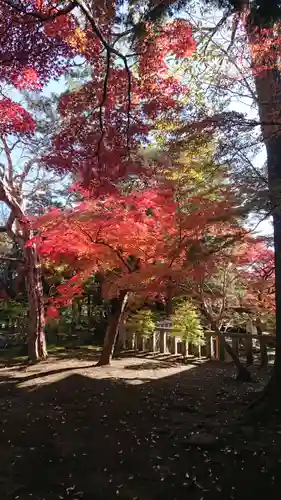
(140, 242)
(259, 274)
(134, 224)
(29, 56)
(107, 118)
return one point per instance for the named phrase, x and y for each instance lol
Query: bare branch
(129, 101)
(27, 167)
(109, 50)
(40, 15)
(10, 259)
(235, 64)
(103, 101)
(216, 28)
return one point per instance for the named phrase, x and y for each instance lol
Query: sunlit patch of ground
(131, 370)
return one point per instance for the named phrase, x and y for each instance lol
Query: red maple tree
(104, 121)
(259, 276)
(142, 243)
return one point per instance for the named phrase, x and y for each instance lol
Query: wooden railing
(163, 341)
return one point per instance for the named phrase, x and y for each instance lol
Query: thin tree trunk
(169, 302)
(73, 315)
(117, 309)
(79, 312)
(89, 310)
(268, 89)
(36, 336)
(243, 375)
(120, 343)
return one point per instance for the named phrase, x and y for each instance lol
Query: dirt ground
(143, 429)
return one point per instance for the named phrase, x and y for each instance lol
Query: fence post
(220, 354)
(235, 345)
(184, 348)
(142, 342)
(133, 342)
(196, 350)
(208, 346)
(153, 341)
(175, 345)
(249, 349)
(163, 342)
(263, 353)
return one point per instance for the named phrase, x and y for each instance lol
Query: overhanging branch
(11, 259)
(41, 15)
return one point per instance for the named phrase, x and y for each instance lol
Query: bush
(13, 314)
(142, 322)
(186, 324)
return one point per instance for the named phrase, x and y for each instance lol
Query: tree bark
(36, 341)
(169, 300)
(89, 310)
(243, 375)
(18, 229)
(268, 89)
(117, 309)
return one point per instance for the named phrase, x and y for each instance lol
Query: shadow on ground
(156, 365)
(94, 435)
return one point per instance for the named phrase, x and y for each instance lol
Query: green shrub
(14, 314)
(186, 324)
(142, 322)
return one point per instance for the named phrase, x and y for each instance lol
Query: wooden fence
(254, 348)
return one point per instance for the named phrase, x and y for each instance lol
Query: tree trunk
(36, 336)
(117, 309)
(89, 310)
(243, 375)
(73, 315)
(79, 312)
(13, 198)
(169, 301)
(268, 89)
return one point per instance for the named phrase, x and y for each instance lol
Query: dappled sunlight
(130, 371)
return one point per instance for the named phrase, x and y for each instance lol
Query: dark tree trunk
(268, 89)
(263, 346)
(89, 310)
(169, 301)
(117, 309)
(243, 375)
(79, 312)
(36, 320)
(73, 315)
(259, 326)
